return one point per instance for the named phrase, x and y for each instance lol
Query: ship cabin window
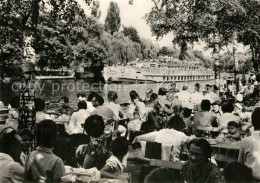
(179, 77)
(175, 77)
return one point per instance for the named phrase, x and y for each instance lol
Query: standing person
(198, 168)
(10, 150)
(78, 118)
(250, 147)
(42, 164)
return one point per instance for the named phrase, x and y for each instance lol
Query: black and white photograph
(130, 91)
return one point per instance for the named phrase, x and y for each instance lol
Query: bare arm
(105, 172)
(88, 161)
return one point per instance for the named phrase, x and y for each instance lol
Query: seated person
(199, 168)
(250, 148)
(233, 131)
(147, 97)
(161, 175)
(27, 138)
(185, 115)
(237, 172)
(39, 108)
(216, 109)
(227, 115)
(204, 117)
(78, 118)
(117, 162)
(10, 150)
(42, 165)
(173, 135)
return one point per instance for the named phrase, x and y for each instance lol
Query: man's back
(43, 165)
(249, 153)
(203, 118)
(11, 171)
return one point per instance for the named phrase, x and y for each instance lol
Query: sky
(133, 15)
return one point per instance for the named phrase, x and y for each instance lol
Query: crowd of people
(101, 134)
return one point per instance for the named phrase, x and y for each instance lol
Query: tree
(132, 34)
(112, 22)
(95, 12)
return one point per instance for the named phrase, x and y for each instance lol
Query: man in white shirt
(184, 96)
(10, 151)
(227, 116)
(249, 153)
(197, 96)
(78, 118)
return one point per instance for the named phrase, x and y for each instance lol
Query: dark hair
(205, 105)
(215, 87)
(46, 133)
(82, 104)
(81, 95)
(7, 140)
(65, 99)
(197, 85)
(203, 144)
(233, 123)
(25, 131)
(162, 91)
(177, 123)
(164, 175)
(15, 102)
(256, 118)
(227, 107)
(39, 104)
(112, 96)
(134, 95)
(94, 126)
(91, 96)
(236, 172)
(100, 99)
(153, 96)
(187, 112)
(185, 88)
(119, 146)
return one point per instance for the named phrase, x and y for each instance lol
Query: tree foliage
(217, 22)
(132, 34)
(113, 21)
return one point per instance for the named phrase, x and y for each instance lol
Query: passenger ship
(162, 70)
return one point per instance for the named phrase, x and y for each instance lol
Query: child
(27, 138)
(42, 165)
(233, 131)
(116, 163)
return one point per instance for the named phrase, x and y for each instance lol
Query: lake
(53, 90)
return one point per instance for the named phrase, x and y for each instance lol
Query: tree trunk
(184, 49)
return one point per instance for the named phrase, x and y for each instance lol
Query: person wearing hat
(147, 96)
(10, 150)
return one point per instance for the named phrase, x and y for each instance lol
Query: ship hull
(125, 74)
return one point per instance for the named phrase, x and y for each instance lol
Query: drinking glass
(125, 178)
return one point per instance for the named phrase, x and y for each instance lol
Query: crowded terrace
(211, 134)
